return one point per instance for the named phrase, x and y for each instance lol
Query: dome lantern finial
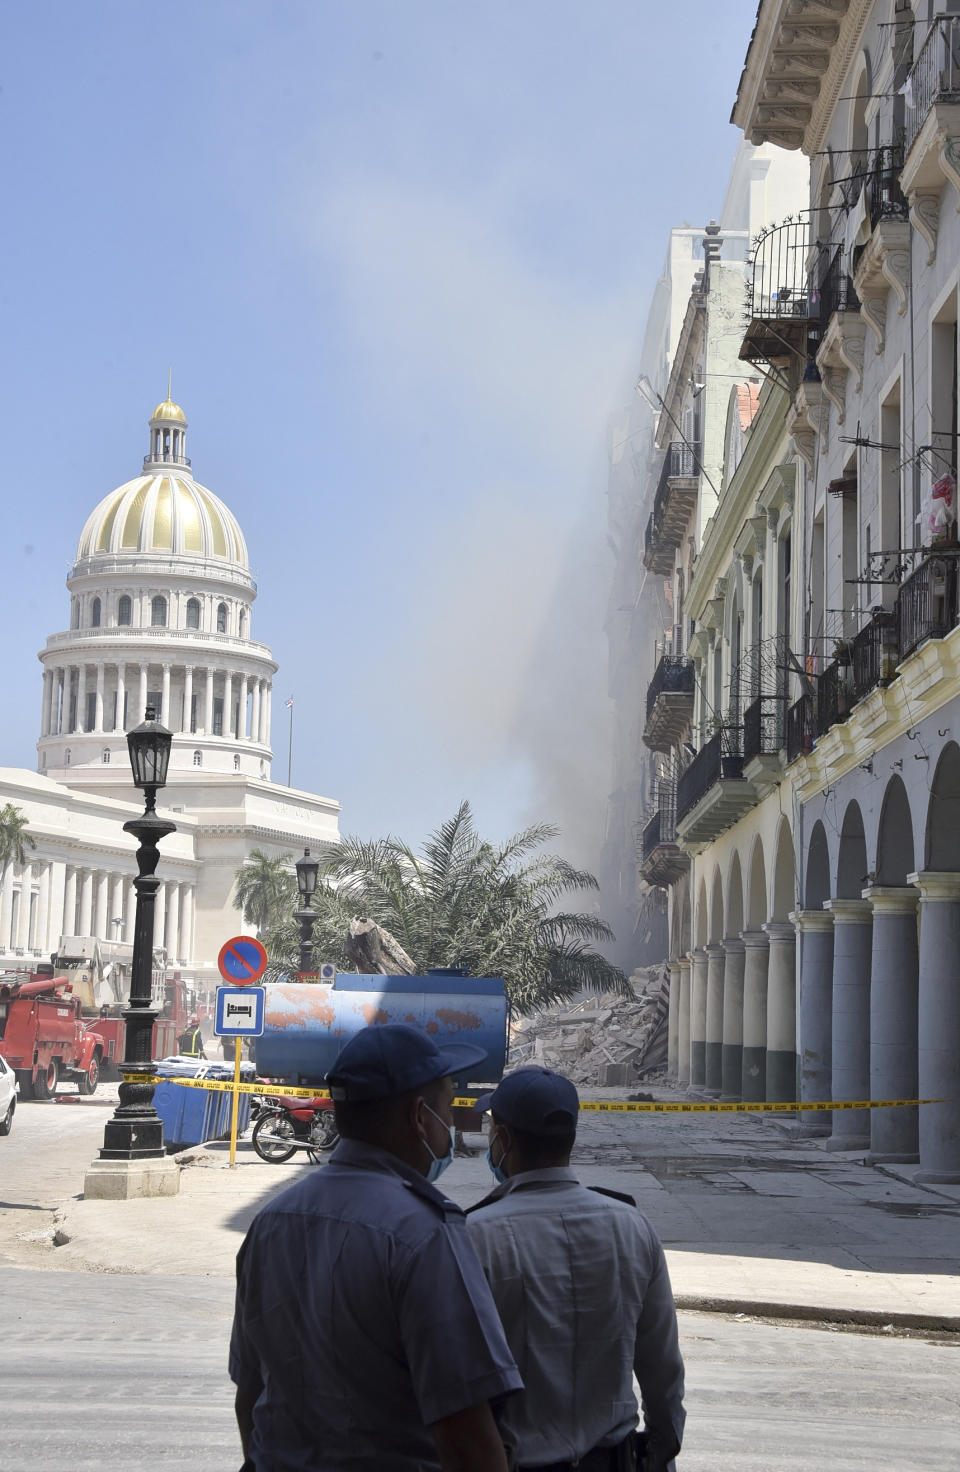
(168, 433)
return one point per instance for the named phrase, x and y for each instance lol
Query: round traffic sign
(242, 960)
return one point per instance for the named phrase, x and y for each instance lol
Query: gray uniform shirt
(583, 1292)
(362, 1318)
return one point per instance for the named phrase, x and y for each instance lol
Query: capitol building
(161, 614)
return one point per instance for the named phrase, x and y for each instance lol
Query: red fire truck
(99, 972)
(43, 1035)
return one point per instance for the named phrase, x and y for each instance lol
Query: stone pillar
(101, 927)
(46, 703)
(208, 704)
(55, 913)
(188, 698)
(698, 1019)
(735, 953)
(267, 712)
(173, 921)
(160, 918)
(782, 1012)
(43, 909)
(228, 705)
(81, 722)
(756, 961)
(815, 928)
(713, 1069)
(186, 924)
(59, 698)
(243, 707)
(98, 700)
(938, 1026)
(894, 985)
(683, 1023)
(22, 937)
(86, 903)
(164, 711)
(672, 1005)
(255, 713)
(141, 698)
(118, 724)
(70, 903)
(852, 927)
(129, 912)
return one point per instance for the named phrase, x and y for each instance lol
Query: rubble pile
(605, 1040)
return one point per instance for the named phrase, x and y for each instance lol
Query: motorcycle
(286, 1125)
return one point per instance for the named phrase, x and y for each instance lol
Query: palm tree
(266, 890)
(15, 841)
(461, 901)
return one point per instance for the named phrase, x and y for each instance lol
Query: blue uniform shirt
(362, 1318)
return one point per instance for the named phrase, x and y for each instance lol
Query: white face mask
(438, 1163)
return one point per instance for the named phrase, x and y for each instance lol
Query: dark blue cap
(536, 1100)
(391, 1058)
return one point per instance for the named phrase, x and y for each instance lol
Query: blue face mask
(499, 1175)
(439, 1163)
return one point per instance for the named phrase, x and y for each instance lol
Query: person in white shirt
(581, 1285)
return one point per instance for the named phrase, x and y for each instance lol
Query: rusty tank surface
(306, 1025)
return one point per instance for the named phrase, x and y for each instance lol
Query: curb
(813, 1313)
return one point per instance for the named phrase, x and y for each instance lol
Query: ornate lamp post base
(125, 1180)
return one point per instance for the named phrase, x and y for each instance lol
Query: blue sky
(399, 256)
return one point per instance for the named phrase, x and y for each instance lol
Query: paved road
(132, 1370)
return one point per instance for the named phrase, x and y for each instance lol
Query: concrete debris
(607, 1040)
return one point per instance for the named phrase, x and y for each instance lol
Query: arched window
(124, 611)
(96, 608)
(158, 612)
(193, 613)
(221, 618)
(105, 755)
(236, 764)
(74, 613)
(198, 758)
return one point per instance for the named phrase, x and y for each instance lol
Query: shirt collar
(552, 1175)
(371, 1157)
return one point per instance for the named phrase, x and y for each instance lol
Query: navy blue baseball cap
(536, 1100)
(391, 1058)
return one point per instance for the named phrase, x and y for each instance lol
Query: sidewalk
(753, 1220)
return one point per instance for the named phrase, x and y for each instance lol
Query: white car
(8, 1096)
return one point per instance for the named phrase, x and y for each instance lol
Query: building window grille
(218, 716)
(105, 756)
(221, 618)
(193, 613)
(198, 758)
(66, 757)
(96, 610)
(236, 764)
(158, 612)
(125, 611)
(91, 711)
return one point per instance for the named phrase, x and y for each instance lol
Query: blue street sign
(242, 959)
(239, 1012)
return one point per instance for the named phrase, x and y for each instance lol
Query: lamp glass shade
(149, 746)
(307, 870)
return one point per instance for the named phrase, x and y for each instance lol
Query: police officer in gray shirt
(582, 1287)
(365, 1335)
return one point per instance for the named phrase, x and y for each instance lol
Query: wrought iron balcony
(836, 288)
(712, 793)
(935, 76)
(834, 695)
(875, 654)
(669, 702)
(801, 728)
(885, 197)
(780, 309)
(762, 728)
(927, 601)
(662, 861)
(673, 505)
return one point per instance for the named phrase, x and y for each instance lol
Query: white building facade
(160, 614)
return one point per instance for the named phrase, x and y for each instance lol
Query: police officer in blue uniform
(365, 1335)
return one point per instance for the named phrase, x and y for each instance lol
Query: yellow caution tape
(285, 1091)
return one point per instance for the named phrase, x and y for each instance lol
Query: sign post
(239, 1014)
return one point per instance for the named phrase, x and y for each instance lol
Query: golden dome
(169, 410)
(168, 514)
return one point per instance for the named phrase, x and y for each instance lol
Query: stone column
(938, 1026)
(188, 698)
(101, 928)
(129, 911)
(243, 707)
(86, 902)
(698, 1019)
(70, 903)
(173, 921)
(98, 700)
(164, 712)
(228, 705)
(121, 695)
(59, 698)
(756, 961)
(735, 953)
(81, 721)
(23, 919)
(43, 909)
(894, 985)
(255, 713)
(6, 907)
(267, 711)
(46, 703)
(683, 1023)
(208, 704)
(160, 917)
(782, 1012)
(852, 927)
(815, 928)
(186, 924)
(713, 1069)
(141, 698)
(672, 1005)
(55, 912)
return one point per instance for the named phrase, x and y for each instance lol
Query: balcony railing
(719, 758)
(935, 76)
(927, 601)
(779, 302)
(762, 728)
(672, 506)
(681, 460)
(673, 675)
(800, 728)
(834, 696)
(836, 288)
(883, 186)
(651, 837)
(874, 654)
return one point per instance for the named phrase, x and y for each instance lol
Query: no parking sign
(242, 960)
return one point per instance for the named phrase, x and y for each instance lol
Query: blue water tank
(305, 1026)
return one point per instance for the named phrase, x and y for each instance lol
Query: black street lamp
(307, 870)
(135, 1133)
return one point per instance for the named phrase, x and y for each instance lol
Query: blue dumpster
(192, 1116)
